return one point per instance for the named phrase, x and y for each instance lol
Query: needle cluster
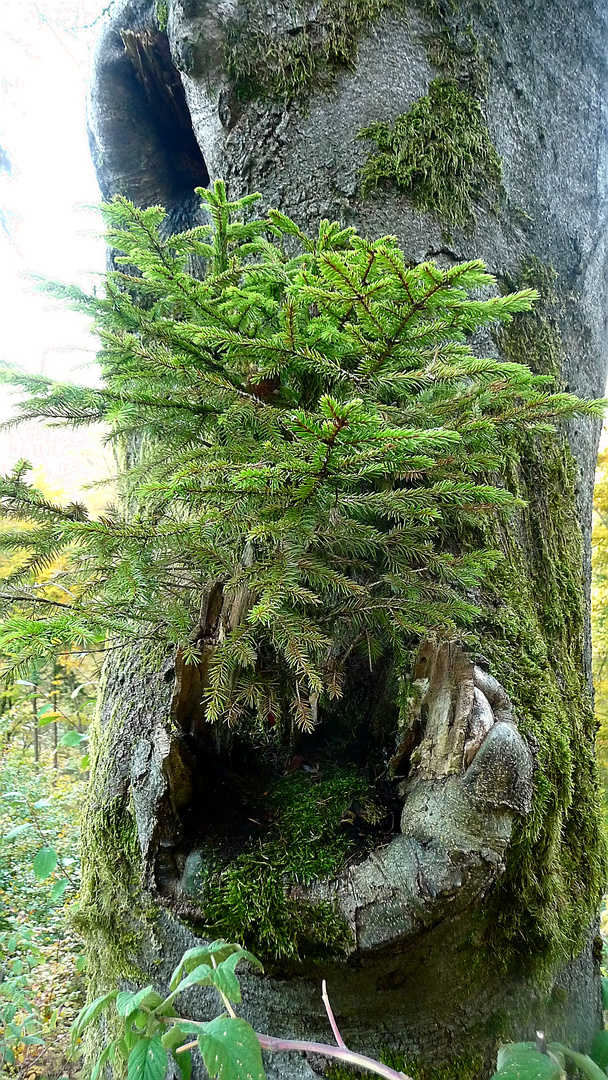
(302, 426)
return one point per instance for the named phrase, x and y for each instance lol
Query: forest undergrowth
(42, 983)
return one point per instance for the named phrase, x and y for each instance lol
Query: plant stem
(267, 1042)
(330, 1016)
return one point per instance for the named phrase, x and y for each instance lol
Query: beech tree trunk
(474, 920)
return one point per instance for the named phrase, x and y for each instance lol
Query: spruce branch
(318, 408)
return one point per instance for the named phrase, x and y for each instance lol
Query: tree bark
(475, 921)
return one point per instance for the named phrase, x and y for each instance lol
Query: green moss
(439, 154)
(253, 898)
(533, 337)
(456, 52)
(459, 1068)
(305, 56)
(247, 902)
(533, 635)
(108, 913)
(110, 884)
(161, 12)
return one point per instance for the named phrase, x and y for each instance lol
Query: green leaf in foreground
(231, 1050)
(173, 1038)
(200, 976)
(18, 830)
(44, 863)
(90, 1013)
(224, 978)
(599, 1049)
(522, 1061)
(72, 738)
(59, 888)
(127, 1001)
(220, 950)
(184, 1064)
(147, 1060)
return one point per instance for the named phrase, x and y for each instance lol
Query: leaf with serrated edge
(200, 976)
(184, 1064)
(231, 1050)
(147, 1060)
(225, 980)
(90, 1013)
(127, 1001)
(220, 950)
(175, 1036)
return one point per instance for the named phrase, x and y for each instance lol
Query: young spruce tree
(300, 428)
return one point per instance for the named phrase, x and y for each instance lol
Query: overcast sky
(44, 49)
(44, 60)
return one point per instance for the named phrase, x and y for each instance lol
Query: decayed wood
(445, 673)
(453, 706)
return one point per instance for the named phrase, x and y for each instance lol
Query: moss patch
(533, 337)
(111, 881)
(254, 897)
(109, 910)
(533, 635)
(108, 914)
(306, 48)
(439, 154)
(304, 55)
(453, 46)
(460, 1068)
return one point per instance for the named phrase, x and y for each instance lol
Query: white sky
(44, 59)
(43, 71)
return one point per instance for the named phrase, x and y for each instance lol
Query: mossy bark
(521, 955)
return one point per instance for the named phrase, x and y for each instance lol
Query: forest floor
(42, 985)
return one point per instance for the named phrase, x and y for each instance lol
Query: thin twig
(331, 1017)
